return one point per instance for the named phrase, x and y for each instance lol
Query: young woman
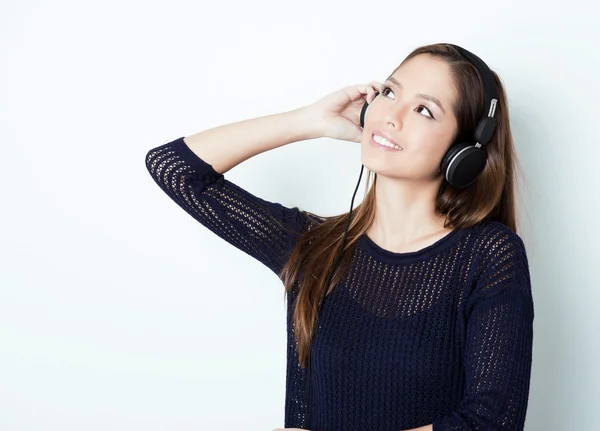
(427, 319)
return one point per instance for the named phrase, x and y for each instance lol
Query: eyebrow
(420, 95)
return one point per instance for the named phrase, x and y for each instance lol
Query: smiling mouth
(384, 144)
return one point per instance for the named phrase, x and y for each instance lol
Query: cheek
(428, 147)
(429, 140)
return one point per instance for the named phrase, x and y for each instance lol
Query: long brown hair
(491, 196)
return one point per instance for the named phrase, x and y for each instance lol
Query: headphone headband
(485, 128)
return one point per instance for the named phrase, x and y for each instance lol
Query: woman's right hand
(338, 114)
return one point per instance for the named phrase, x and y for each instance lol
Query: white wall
(119, 311)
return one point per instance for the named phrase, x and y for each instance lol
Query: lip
(384, 135)
(381, 147)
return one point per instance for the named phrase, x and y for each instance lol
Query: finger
(374, 88)
(376, 85)
(370, 94)
(362, 89)
(356, 92)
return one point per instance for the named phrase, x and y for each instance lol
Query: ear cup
(363, 112)
(452, 151)
(462, 164)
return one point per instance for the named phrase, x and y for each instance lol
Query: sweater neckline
(394, 257)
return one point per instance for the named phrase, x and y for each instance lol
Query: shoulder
(495, 242)
(500, 260)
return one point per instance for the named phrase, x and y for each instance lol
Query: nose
(394, 115)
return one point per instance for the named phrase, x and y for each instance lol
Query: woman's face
(407, 111)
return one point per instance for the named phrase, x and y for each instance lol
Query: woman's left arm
(498, 350)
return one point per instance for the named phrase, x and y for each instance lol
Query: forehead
(429, 75)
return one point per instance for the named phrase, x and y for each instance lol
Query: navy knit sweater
(438, 336)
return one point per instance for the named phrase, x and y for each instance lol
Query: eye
(384, 89)
(425, 107)
(430, 116)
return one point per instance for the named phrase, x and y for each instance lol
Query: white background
(119, 311)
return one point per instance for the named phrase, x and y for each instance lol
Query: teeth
(383, 141)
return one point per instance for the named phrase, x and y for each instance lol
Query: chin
(378, 165)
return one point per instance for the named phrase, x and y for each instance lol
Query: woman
(427, 322)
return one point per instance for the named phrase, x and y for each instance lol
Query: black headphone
(461, 165)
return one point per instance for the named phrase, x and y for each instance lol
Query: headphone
(461, 165)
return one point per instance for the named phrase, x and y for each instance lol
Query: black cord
(307, 417)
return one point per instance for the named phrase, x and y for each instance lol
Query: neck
(405, 216)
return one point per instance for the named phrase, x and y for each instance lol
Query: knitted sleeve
(498, 350)
(262, 229)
